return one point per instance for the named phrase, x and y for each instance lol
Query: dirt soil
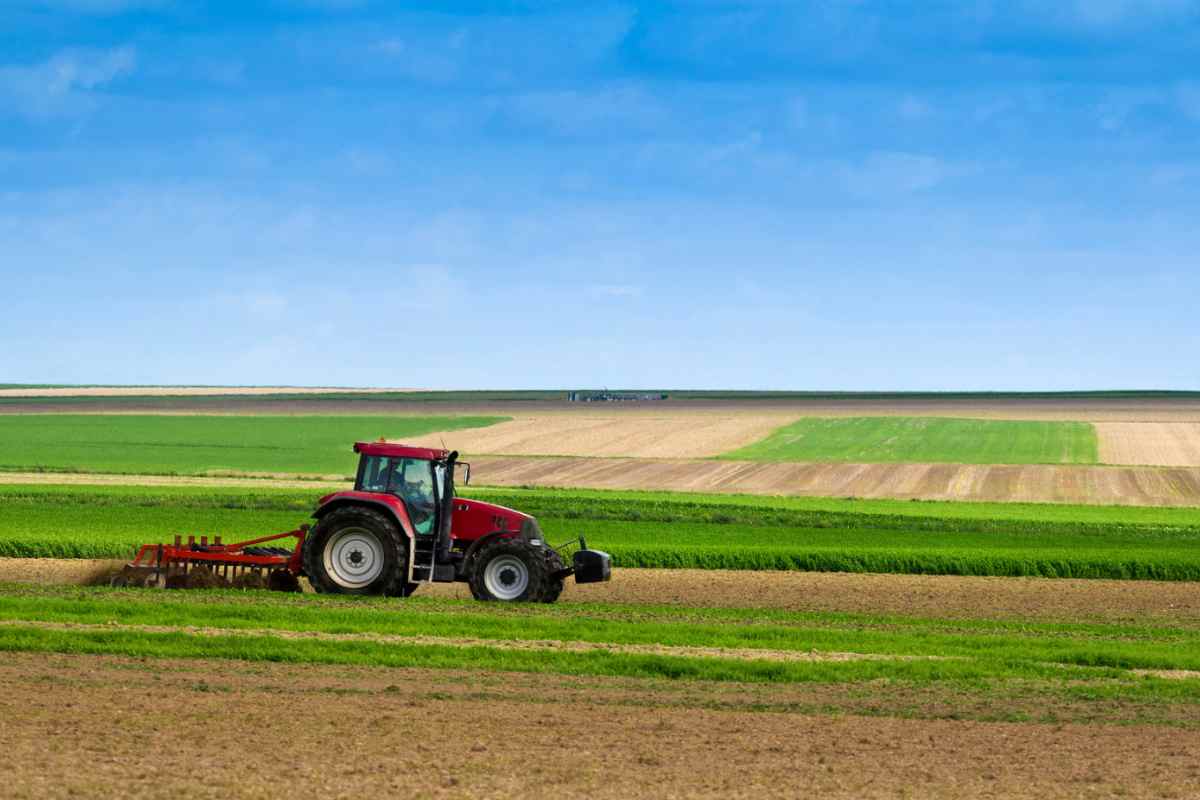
(638, 433)
(951, 596)
(1158, 486)
(1170, 444)
(105, 726)
(1177, 486)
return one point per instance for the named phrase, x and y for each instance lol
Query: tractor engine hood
(474, 519)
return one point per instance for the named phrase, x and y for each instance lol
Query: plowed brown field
(644, 446)
(1177, 486)
(89, 726)
(638, 434)
(1168, 444)
(1034, 484)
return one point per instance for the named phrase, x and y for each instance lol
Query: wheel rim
(506, 577)
(354, 558)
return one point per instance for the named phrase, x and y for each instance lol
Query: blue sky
(707, 194)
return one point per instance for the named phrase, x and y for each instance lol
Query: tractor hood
(474, 519)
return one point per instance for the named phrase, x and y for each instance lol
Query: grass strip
(193, 445)
(1117, 647)
(873, 440)
(366, 653)
(109, 522)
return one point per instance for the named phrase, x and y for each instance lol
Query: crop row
(109, 522)
(926, 439)
(1033, 647)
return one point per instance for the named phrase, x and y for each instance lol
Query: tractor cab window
(410, 479)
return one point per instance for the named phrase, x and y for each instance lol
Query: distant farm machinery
(401, 526)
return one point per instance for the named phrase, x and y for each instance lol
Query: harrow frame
(170, 564)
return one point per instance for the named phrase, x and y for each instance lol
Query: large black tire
(503, 556)
(392, 579)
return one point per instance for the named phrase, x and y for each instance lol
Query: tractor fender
(392, 507)
(484, 540)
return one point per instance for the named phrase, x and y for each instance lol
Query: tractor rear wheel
(509, 570)
(356, 550)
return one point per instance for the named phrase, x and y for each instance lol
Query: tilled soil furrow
(90, 726)
(546, 645)
(950, 596)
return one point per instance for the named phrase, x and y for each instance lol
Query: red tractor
(400, 526)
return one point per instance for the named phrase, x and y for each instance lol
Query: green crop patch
(192, 445)
(1115, 646)
(664, 531)
(872, 440)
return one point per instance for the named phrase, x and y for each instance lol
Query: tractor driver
(417, 493)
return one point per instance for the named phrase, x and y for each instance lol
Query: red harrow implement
(252, 564)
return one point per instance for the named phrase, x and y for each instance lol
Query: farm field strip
(1168, 444)
(1021, 483)
(633, 505)
(869, 440)
(737, 632)
(774, 740)
(104, 522)
(969, 484)
(639, 433)
(927, 596)
(531, 645)
(193, 445)
(1088, 666)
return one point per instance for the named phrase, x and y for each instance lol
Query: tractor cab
(417, 477)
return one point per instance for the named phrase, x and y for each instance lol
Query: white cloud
(60, 85)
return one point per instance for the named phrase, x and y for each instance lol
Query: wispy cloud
(60, 85)
(899, 172)
(97, 7)
(1187, 96)
(1104, 13)
(616, 290)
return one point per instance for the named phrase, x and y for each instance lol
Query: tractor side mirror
(466, 481)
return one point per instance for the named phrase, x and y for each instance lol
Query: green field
(987, 669)
(664, 531)
(190, 445)
(872, 440)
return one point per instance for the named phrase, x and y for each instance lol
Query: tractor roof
(395, 450)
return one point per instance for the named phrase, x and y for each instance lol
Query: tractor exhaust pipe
(447, 511)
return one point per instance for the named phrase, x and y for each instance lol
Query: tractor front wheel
(509, 570)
